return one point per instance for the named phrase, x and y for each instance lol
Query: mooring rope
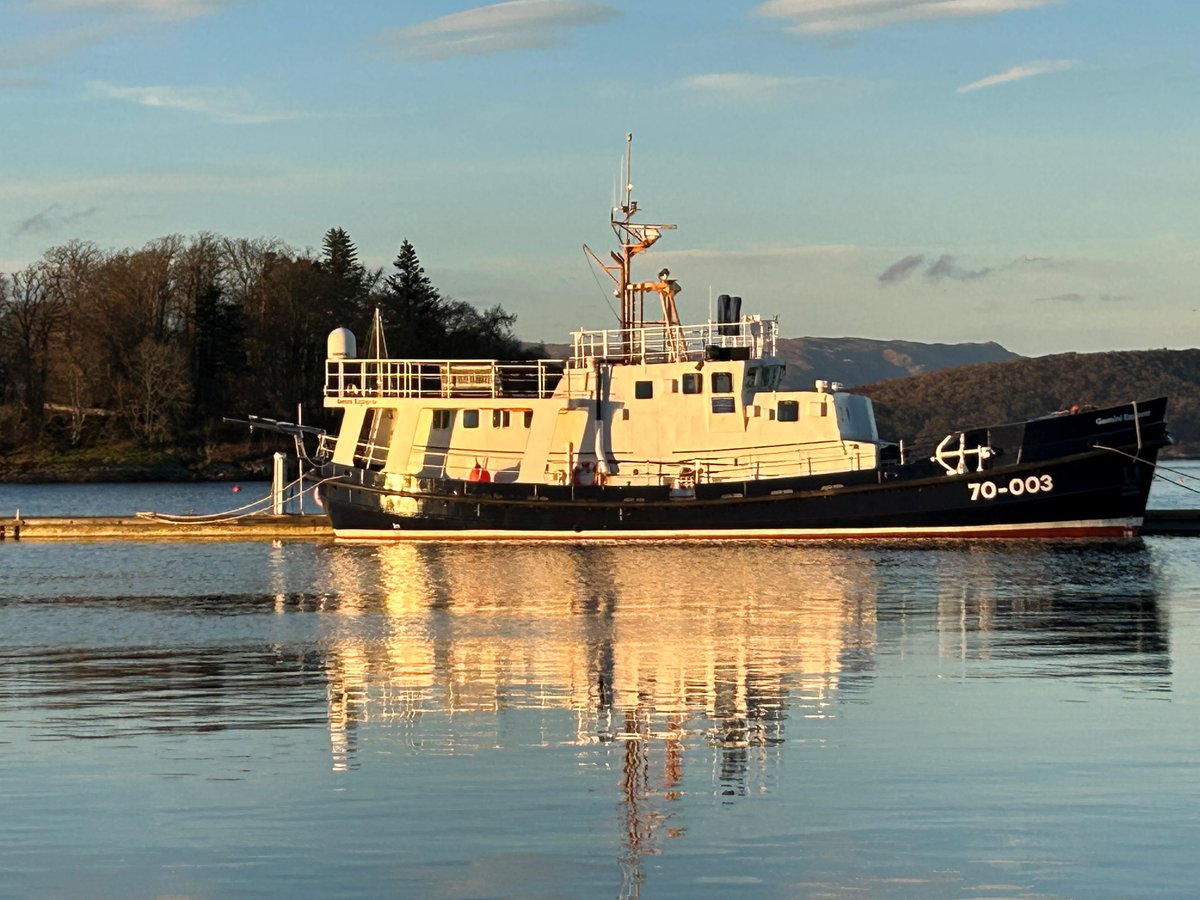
(1159, 468)
(232, 515)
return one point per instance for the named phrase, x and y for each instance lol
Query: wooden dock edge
(264, 527)
(258, 527)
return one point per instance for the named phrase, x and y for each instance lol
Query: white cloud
(158, 9)
(830, 16)
(745, 86)
(102, 188)
(218, 104)
(103, 20)
(36, 51)
(759, 254)
(515, 25)
(1017, 73)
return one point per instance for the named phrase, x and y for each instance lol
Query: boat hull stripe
(1095, 528)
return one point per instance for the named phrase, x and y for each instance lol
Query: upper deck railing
(364, 379)
(355, 379)
(664, 343)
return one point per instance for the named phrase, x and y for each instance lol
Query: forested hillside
(855, 361)
(924, 409)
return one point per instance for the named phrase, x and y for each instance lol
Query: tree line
(157, 344)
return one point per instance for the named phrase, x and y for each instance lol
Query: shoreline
(167, 471)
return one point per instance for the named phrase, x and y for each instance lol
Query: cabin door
(569, 428)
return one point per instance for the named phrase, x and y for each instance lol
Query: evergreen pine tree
(347, 293)
(340, 257)
(218, 353)
(414, 309)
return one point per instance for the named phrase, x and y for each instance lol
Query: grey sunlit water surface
(1005, 719)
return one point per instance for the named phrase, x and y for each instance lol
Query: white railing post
(277, 484)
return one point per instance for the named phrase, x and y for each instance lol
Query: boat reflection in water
(1057, 609)
(668, 656)
(702, 660)
(637, 642)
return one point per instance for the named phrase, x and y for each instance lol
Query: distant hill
(856, 361)
(926, 408)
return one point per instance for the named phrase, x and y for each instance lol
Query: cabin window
(501, 418)
(752, 376)
(788, 411)
(723, 405)
(693, 383)
(470, 418)
(643, 390)
(722, 382)
(443, 419)
(528, 418)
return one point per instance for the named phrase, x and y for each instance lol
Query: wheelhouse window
(722, 382)
(788, 411)
(752, 376)
(470, 418)
(528, 418)
(643, 390)
(693, 383)
(443, 419)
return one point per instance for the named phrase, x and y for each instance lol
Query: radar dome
(341, 344)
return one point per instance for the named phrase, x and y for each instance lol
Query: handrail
(711, 469)
(661, 343)
(409, 378)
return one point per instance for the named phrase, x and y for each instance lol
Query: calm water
(864, 719)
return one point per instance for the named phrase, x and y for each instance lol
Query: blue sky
(1025, 171)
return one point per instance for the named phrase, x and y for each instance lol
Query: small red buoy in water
(237, 488)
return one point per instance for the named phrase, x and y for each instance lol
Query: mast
(633, 238)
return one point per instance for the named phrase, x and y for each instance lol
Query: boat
(660, 430)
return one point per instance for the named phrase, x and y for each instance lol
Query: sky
(1019, 171)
